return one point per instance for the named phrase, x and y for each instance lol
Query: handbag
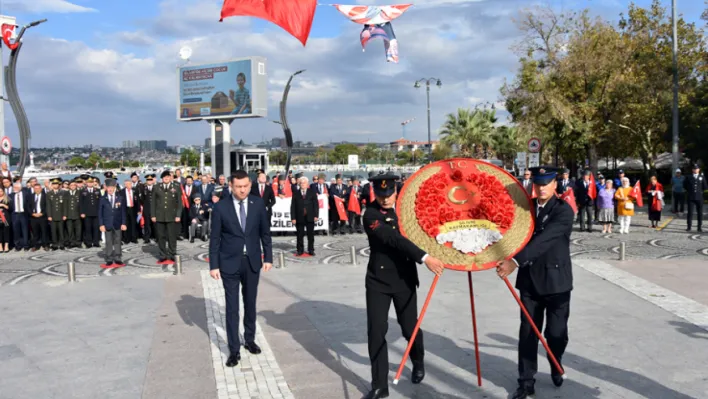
(629, 205)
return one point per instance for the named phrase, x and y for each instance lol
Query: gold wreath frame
(515, 237)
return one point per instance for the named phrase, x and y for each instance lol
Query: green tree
(278, 157)
(403, 158)
(470, 130)
(369, 152)
(442, 151)
(76, 162)
(189, 158)
(93, 160)
(321, 155)
(506, 144)
(341, 152)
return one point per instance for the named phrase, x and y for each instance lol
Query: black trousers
(73, 232)
(167, 239)
(678, 201)
(694, 206)
(40, 232)
(585, 214)
(354, 222)
(92, 235)
(301, 227)
(131, 233)
(377, 306)
(57, 228)
(148, 229)
(20, 230)
(557, 310)
(247, 278)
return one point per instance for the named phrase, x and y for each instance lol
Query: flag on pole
(592, 189)
(636, 193)
(339, 203)
(569, 197)
(354, 203)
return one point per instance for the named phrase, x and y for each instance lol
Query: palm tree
(505, 142)
(470, 130)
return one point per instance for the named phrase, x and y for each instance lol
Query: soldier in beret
(391, 276)
(544, 280)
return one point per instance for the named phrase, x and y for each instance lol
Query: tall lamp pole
(427, 93)
(675, 122)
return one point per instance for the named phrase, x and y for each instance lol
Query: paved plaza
(638, 328)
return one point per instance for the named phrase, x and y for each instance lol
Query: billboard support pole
(226, 137)
(214, 170)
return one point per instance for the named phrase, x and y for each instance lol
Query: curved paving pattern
(673, 242)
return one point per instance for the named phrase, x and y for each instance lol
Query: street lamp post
(427, 93)
(675, 110)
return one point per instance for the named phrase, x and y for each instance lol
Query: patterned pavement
(46, 266)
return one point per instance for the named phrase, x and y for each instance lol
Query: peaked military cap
(165, 173)
(150, 176)
(56, 181)
(384, 185)
(543, 175)
(108, 174)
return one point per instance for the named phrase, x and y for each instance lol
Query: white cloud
(100, 95)
(45, 6)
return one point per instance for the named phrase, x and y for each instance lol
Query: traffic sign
(534, 160)
(6, 145)
(534, 144)
(521, 160)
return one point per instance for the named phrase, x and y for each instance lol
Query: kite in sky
(377, 24)
(296, 16)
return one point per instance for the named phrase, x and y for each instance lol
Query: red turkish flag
(8, 31)
(569, 197)
(295, 16)
(354, 203)
(637, 194)
(339, 203)
(592, 190)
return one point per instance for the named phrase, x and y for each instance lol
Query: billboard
(223, 90)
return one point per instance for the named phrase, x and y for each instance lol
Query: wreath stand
(474, 329)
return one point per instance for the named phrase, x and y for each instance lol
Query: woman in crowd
(625, 206)
(5, 222)
(656, 201)
(606, 206)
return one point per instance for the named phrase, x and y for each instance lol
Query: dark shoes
(418, 374)
(253, 348)
(524, 392)
(377, 393)
(233, 360)
(557, 379)
(312, 253)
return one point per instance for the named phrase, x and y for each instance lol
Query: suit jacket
(529, 186)
(544, 264)
(90, 202)
(304, 210)
(229, 242)
(205, 190)
(392, 262)
(42, 204)
(563, 187)
(268, 196)
(26, 202)
(136, 199)
(112, 217)
(581, 193)
(194, 212)
(194, 189)
(695, 187)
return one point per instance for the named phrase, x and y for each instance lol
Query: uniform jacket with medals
(56, 205)
(166, 203)
(146, 200)
(694, 187)
(89, 202)
(73, 211)
(544, 264)
(392, 262)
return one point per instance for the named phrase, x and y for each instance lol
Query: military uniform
(56, 212)
(88, 205)
(145, 201)
(165, 206)
(695, 184)
(391, 276)
(73, 218)
(544, 280)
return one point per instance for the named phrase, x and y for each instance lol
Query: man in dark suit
(304, 212)
(189, 190)
(565, 183)
(354, 195)
(527, 182)
(695, 184)
(585, 201)
(239, 228)
(264, 190)
(88, 204)
(21, 209)
(391, 276)
(338, 189)
(205, 189)
(38, 219)
(111, 220)
(367, 192)
(545, 279)
(132, 207)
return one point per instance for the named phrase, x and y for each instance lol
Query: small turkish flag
(592, 189)
(569, 197)
(636, 193)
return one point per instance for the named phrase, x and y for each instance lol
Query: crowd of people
(608, 202)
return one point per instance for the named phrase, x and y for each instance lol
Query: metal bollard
(623, 249)
(178, 265)
(71, 271)
(281, 257)
(353, 249)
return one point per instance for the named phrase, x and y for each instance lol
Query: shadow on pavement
(438, 345)
(689, 329)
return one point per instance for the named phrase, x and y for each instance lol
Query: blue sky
(112, 60)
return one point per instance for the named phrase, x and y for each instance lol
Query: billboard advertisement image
(225, 90)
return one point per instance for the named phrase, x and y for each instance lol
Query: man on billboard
(241, 97)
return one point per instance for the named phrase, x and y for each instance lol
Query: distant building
(129, 144)
(278, 142)
(207, 143)
(409, 145)
(153, 145)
